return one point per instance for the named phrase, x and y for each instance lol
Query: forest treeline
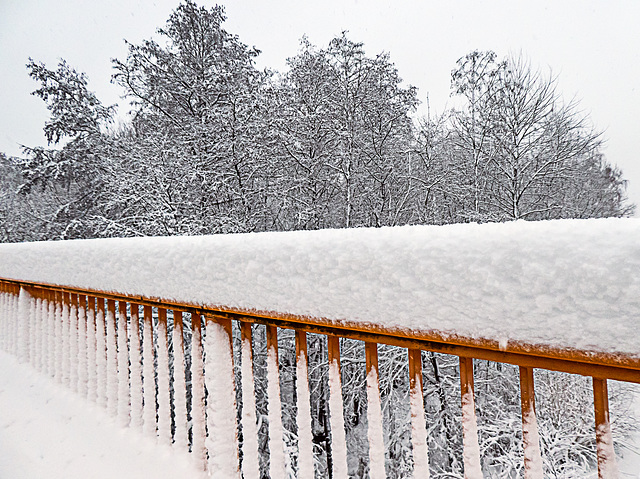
(215, 145)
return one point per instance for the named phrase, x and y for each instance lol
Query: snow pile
(47, 431)
(567, 283)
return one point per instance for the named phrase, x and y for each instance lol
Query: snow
(136, 369)
(418, 425)
(181, 439)
(123, 368)
(198, 429)
(46, 431)
(148, 377)
(164, 400)
(564, 283)
(532, 453)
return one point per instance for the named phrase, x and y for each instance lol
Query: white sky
(593, 46)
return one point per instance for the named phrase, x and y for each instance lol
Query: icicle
(222, 440)
(276, 441)
(374, 415)
(123, 365)
(92, 349)
(136, 368)
(164, 400)
(305, 436)
(181, 439)
(73, 343)
(82, 346)
(198, 430)
(101, 355)
(336, 412)
(418, 425)
(148, 370)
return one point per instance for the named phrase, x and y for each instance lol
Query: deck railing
(103, 346)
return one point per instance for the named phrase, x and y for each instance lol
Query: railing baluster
(198, 414)
(101, 354)
(73, 342)
(39, 332)
(51, 336)
(148, 375)
(374, 413)
(136, 368)
(164, 399)
(418, 424)
(92, 350)
(58, 336)
(123, 365)
(276, 441)
(82, 346)
(32, 327)
(66, 339)
(607, 464)
(530, 437)
(181, 438)
(24, 307)
(336, 411)
(305, 437)
(470, 446)
(222, 440)
(250, 466)
(112, 360)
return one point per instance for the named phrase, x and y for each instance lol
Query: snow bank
(568, 283)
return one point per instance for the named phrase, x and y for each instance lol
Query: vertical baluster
(66, 339)
(136, 368)
(52, 343)
(32, 327)
(112, 359)
(101, 354)
(470, 447)
(123, 365)
(305, 436)
(148, 376)
(82, 346)
(250, 466)
(3, 317)
(58, 336)
(198, 430)
(24, 309)
(222, 440)
(374, 414)
(276, 441)
(39, 336)
(164, 399)
(336, 411)
(418, 424)
(92, 350)
(73, 342)
(607, 464)
(530, 437)
(181, 439)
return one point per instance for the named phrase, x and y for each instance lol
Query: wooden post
(530, 437)
(181, 437)
(136, 368)
(276, 441)
(148, 375)
(470, 446)
(607, 464)
(112, 360)
(164, 399)
(198, 414)
(222, 440)
(123, 366)
(336, 411)
(374, 413)
(305, 437)
(418, 425)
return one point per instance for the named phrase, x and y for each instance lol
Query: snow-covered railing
(164, 363)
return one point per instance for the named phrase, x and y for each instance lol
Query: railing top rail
(564, 290)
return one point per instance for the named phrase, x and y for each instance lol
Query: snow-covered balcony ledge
(561, 295)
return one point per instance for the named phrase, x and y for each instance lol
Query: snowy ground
(48, 432)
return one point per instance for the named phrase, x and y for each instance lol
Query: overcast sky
(592, 46)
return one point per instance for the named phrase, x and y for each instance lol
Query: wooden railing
(129, 354)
